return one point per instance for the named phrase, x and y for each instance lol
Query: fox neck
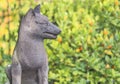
(26, 39)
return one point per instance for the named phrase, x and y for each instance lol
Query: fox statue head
(37, 25)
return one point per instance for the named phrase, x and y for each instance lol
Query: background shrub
(86, 52)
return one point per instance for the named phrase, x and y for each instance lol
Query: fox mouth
(50, 35)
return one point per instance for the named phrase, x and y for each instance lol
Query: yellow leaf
(10, 1)
(108, 52)
(105, 32)
(11, 50)
(12, 27)
(59, 39)
(1, 13)
(89, 40)
(77, 50)
(90, 31)
(3, 4)
(3, 30)
(4, 46)
(6, 20)
(116, 2)
(100, 39)
(107, 66)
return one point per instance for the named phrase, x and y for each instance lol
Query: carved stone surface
(29, 60)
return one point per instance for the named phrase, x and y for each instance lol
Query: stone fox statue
(29, 60)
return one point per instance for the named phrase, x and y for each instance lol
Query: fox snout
(59, 31)
(56, 30)
(52, 32)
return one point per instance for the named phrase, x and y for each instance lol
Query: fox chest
(32, 55)
(34, 61)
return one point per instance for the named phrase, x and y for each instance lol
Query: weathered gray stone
(29, 60)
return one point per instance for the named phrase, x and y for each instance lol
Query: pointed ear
(29, 14)
(37, 9)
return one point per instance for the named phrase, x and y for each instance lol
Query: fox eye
(42, 23)
(37, 22)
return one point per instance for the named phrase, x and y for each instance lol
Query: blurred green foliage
(88, 49)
